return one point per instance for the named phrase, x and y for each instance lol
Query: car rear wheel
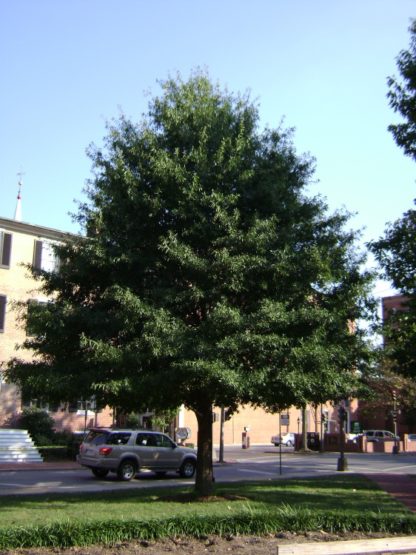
(127, 470)
(100, 472)
(187, 469)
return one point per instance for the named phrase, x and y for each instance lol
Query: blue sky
(68, 66)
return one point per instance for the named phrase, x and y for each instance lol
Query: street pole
(322, 436)
(222, 418)
(342, 461)
(280, 443)
(85, 417)
(396, 446)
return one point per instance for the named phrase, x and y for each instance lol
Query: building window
(28, 403)
(83, 407)
(3, 301)
(5, 249)
(44, 257)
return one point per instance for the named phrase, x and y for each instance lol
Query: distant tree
(396, 254)
(207, 277)
(396, 251)
(402, 97)
(382, 384)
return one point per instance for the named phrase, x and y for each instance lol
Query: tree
(396, 251)
(396, 254)
(384, 385)
(402, 97)
(207, 276)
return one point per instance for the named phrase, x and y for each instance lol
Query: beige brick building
(22, 245)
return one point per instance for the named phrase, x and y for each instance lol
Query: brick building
(393, 304)
(22, 245)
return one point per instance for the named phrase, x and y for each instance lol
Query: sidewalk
(57, 465)
(401, 486)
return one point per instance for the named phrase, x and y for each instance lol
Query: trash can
(245, 440)
(313, 441)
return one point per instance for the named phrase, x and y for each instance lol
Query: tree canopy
(396, 253)
(207, 275)
(402, 97)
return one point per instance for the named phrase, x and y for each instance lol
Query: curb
(17, 466)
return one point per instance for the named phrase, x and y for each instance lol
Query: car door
(168, 456)
(119, 442)
(146, 449)
(379, 435)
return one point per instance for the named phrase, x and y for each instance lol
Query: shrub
(39, 425)
(74, 442)
(132, 421)
(61, 438)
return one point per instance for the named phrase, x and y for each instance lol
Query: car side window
(379, 434)
(96, 438)
(146, 440)
(163, 441)
(120, 438)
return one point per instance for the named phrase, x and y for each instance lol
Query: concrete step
(17, 446)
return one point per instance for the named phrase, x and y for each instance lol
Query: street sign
(284, 419)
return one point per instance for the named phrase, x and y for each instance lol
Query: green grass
(334, 504)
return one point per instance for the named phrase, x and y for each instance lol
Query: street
(256, 463)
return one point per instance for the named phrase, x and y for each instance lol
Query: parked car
(379, 435)
(125, 452)
(286, 439)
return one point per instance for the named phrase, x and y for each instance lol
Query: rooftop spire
(18, 211)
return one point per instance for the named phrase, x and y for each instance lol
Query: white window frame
(3, 234)
(44, 257)
(3, 311)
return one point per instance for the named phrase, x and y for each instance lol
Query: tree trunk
(204, 483)
(304, 430)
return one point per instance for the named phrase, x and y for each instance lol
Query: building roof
(32, 229)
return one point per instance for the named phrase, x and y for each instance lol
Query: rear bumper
(93, 462)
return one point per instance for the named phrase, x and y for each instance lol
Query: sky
(68, 67)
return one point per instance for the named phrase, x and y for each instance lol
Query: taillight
(104, 451)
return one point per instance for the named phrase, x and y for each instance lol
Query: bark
(204, 483)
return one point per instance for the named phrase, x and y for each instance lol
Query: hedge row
(69, 534)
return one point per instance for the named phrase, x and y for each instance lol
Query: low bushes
(335, 504)
(288, 519)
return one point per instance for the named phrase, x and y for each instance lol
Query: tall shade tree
(402, 97)
(396, 254)
(396, 251)
(207, 276)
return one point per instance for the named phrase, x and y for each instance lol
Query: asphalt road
(251, 464)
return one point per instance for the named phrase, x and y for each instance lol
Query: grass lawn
(336, 503)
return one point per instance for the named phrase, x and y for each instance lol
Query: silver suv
(377, 435)
(125, 452)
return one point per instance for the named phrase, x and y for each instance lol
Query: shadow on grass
(352, 493)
